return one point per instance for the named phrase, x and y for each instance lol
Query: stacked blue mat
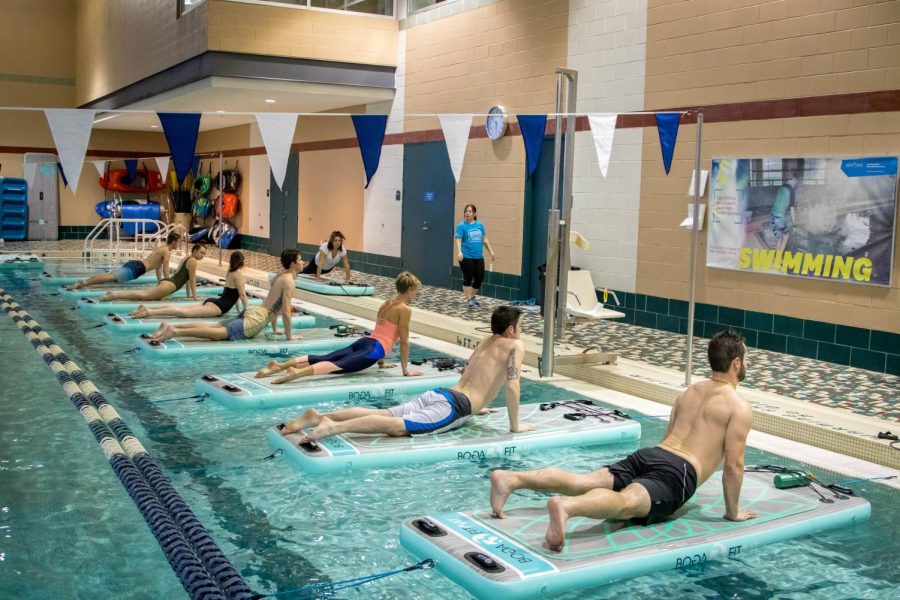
(13, 208)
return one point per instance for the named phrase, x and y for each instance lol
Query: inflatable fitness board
(20, 261)
(263, 345)
(482, 437)
(96, 291)
(508, 558)
(243, 390)
(91, 306)
(58, 280)
(122, 323)
(329, 287)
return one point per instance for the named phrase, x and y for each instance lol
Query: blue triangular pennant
(131, 168)
(532, 128)
(370, 135)
(181, 135)
(63, 175)
(667, 125)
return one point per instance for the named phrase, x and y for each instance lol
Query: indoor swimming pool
(69, 530)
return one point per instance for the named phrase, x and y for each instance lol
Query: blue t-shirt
(472, 236)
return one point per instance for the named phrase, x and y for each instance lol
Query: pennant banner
(370, 135)
(667, 126)
(100, 165)
(131, 167)
(277, 131)
(162, 163)
(71, 130)
(181, 135)
(603, 128)
(62, 173)
(456, 136)
(532, 128)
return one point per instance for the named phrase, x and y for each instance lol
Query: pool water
(69, 530)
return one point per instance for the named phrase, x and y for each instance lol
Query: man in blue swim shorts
(709, 423)
(496, 363)
(157, 260)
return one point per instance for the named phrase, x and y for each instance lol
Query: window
(371, 7)
(186, 6)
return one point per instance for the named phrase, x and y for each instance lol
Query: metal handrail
(115, 249)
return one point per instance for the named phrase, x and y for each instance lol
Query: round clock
(495, 124)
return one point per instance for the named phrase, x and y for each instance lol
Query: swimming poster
(821, 218)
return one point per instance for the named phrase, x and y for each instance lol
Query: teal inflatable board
(92, 307)
(122, 323)
(482, 437)
(330, 287)
(264, 345)
(508, 558)
(20, 261)
(203, 290)
(243, 390)
(58, 280)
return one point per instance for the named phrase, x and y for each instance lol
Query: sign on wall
(821, 218)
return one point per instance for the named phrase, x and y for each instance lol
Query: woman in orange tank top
(391, 325)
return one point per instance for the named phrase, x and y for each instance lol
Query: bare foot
(166, 331)
(308, 419)
(291, 374)
(159, 331)
(270, 368)
(501, 488)
(556, 532)
(140, 312)
(105, 297)
(324, 429)
(77, 285)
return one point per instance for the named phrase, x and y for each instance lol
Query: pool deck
(834, 407)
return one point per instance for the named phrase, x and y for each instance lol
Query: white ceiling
(240, 95)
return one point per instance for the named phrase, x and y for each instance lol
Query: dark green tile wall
(867, 349)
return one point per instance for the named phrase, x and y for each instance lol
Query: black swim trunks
(669, 479)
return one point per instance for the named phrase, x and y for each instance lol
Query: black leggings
(473, 272)
(310, 268)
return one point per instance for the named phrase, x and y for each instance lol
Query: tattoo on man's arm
(511, 371)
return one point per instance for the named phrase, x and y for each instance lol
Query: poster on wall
(820, 218)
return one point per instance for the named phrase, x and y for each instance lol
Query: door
(283, 208)
(429, 195)
(539, 196)
(43, 196)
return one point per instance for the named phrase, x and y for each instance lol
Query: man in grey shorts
(496, 362)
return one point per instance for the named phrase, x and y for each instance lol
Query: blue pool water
(69, 530)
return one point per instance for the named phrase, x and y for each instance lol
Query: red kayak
(117, 180)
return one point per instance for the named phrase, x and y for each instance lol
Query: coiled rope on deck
(203, 569)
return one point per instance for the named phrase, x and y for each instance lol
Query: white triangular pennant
(603, 128)
(162, 163)
(277, 131)
(456, 135)
(71, 130)
(100, 165)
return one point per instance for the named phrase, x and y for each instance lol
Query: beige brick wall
(276, 31)
(712, 52)
(119, 43)
(505, 53)
(664, 250)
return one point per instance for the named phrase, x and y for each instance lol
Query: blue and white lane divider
(203, 569)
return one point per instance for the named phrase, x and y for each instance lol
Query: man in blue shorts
(496, 362)
(158, 259)
(709, 423)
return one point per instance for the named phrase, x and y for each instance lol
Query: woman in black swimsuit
(211, 307)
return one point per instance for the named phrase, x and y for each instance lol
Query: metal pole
(695, 240)
(550, 275)
(566, 200)
(220, 204)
